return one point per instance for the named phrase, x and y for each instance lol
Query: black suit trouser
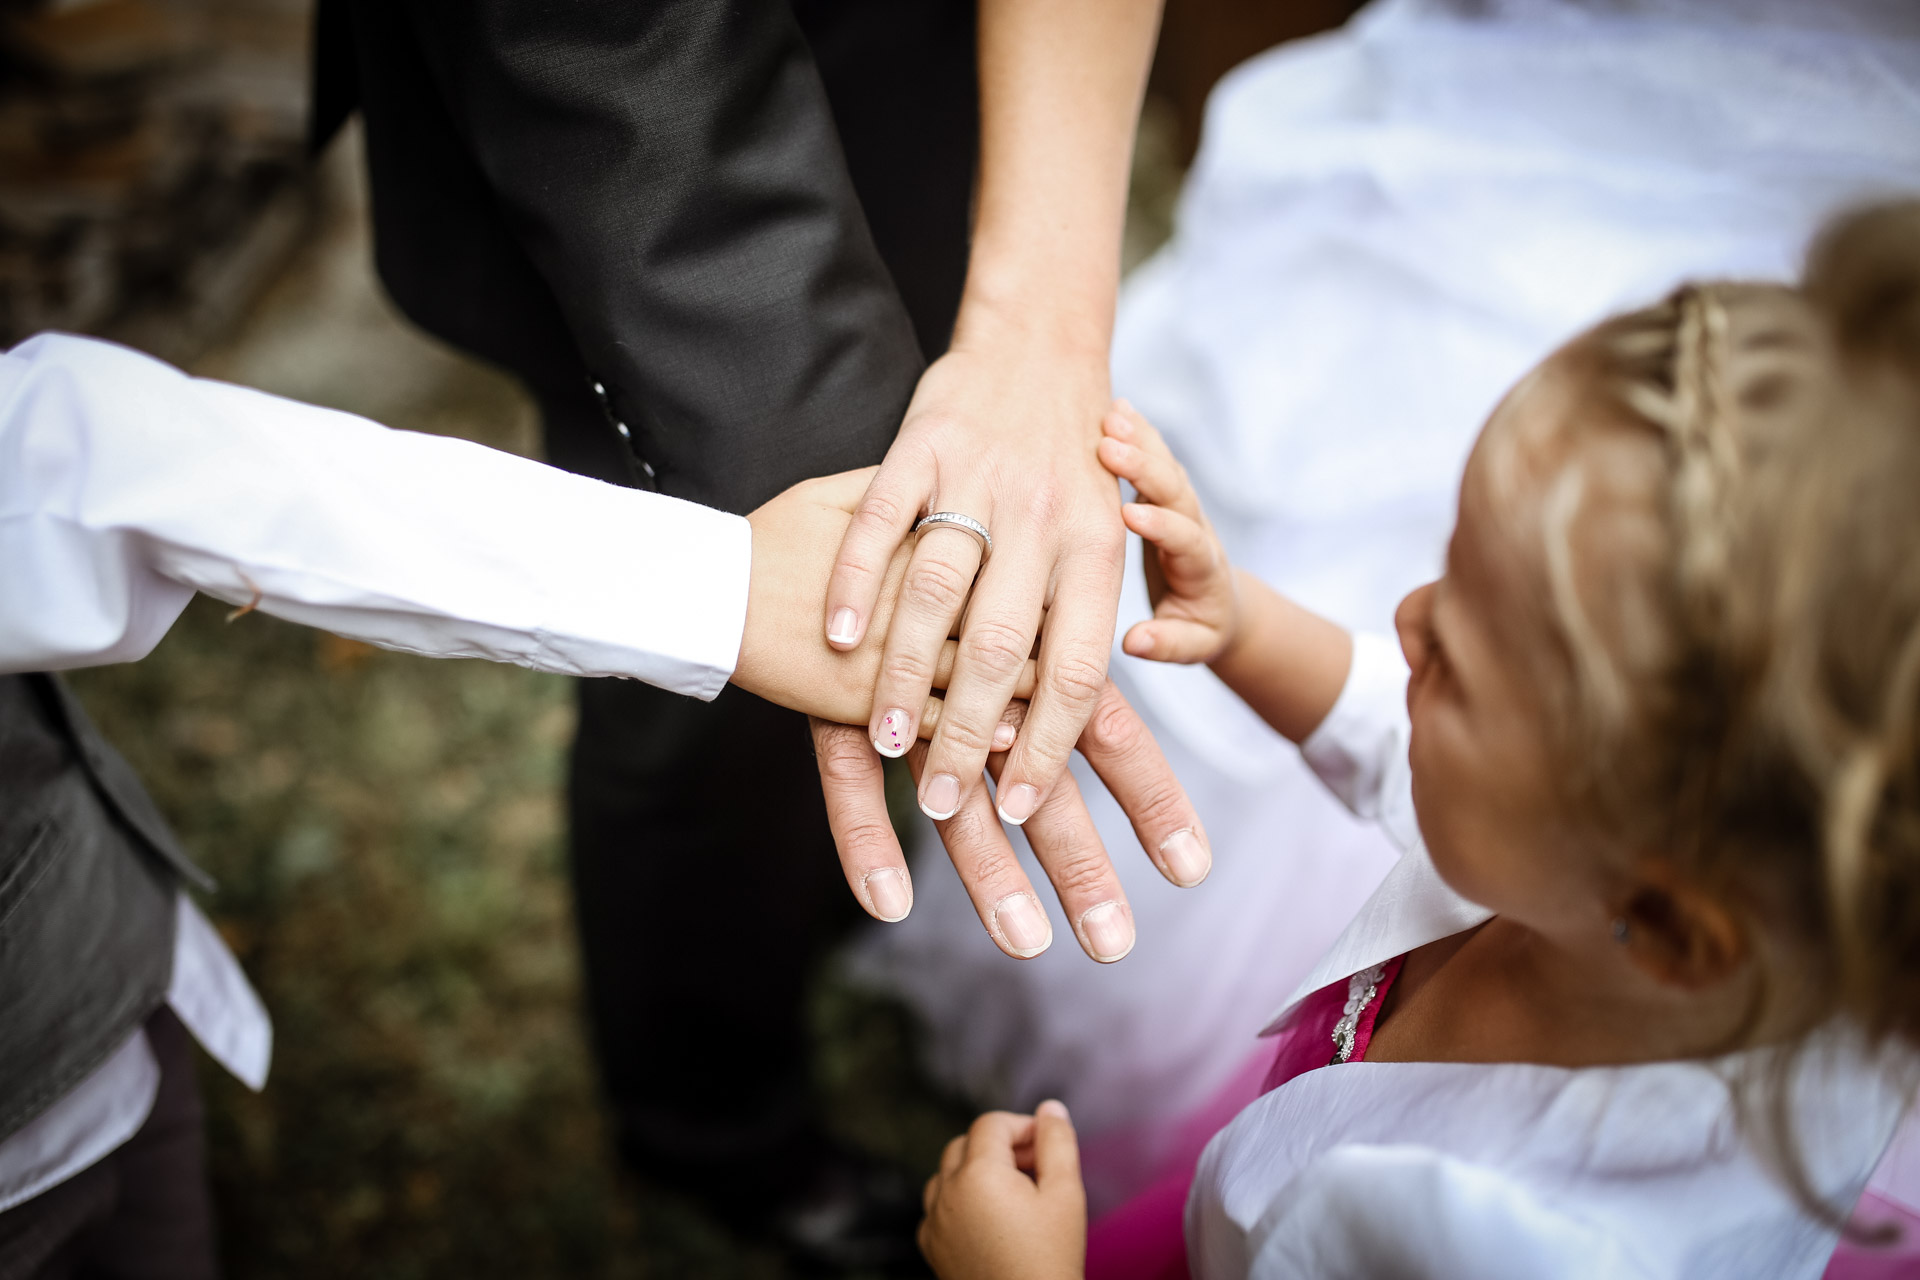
(707, 886)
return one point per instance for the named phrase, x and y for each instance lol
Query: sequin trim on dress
(1362, 988)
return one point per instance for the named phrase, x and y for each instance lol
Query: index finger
(854, 785)
(880, 523)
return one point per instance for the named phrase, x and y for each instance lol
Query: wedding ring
(958, 521)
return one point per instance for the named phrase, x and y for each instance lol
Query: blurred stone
(152, 174)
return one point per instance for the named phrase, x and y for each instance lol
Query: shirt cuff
(1360, 749)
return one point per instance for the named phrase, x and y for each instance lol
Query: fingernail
(940, 797)
(895, 736)
(1003, 736)
(1023, 924)
(1054, 1107)
(1108, 929)
(1018, 804)
(890, 893)
(845, 624)
(1186, 859)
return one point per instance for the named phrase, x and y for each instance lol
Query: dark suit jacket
(647, 194)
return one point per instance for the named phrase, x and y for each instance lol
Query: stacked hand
(1054, 575)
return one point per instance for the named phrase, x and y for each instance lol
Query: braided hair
(1737, 614)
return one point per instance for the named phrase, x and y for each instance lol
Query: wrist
(1044, 310)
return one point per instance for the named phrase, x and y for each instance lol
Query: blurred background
(386, 829)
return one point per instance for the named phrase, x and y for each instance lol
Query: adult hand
(781, 657)
(1002, 429)
(1128, 761)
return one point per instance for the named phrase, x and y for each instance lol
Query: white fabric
(97, 1115)
(125, 486)
(1508, 1169)
(1385, 227)
(215, 1001)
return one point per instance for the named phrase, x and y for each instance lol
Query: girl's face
(1482, 781)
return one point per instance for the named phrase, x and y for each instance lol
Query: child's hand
(1196, 609)
(987, 1219)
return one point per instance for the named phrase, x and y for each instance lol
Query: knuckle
(908, 669)
(1086, 874)
(843, 757)
(879, 513)
(1162, 808)
(988, 868)
(1112, 728)
(1045, 502)
(937, 587)
(964, 738)
(866, 835)
(1077, 677)
(997, 647)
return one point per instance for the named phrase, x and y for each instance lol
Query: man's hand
(1008, 1203)
(1127, 759)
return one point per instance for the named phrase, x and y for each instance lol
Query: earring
(1620, 930)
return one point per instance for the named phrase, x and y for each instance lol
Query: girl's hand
(1196, 606)
(1007, 1203)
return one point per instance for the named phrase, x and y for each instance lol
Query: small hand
(781, 658)
(1196, 606)
(1008, 1203)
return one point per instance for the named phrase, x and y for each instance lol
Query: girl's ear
(1411, 620)
(1679, 933)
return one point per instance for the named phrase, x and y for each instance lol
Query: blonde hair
(1745, 681)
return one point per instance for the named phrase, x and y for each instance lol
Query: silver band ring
(958, 521)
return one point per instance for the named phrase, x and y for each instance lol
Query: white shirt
(126, 486)
(1442, 1169)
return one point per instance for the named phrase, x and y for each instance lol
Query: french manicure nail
(1018, 804)
(1186, 859)
(890, 893)
(1108, 929)
(1003, 736)
(845, 624)
(895, 736)
(940, 797)
(1023, 924)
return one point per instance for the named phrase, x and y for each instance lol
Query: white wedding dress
(1386, 226)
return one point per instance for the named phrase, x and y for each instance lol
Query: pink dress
(1145, 1239)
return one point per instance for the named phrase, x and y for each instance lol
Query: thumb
(1056, 1149)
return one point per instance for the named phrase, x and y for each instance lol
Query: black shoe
(849, 1212)
(830, 1207)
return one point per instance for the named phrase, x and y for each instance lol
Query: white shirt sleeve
(126, 486)
(1360, 749)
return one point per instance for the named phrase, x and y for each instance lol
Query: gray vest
(88, 875)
